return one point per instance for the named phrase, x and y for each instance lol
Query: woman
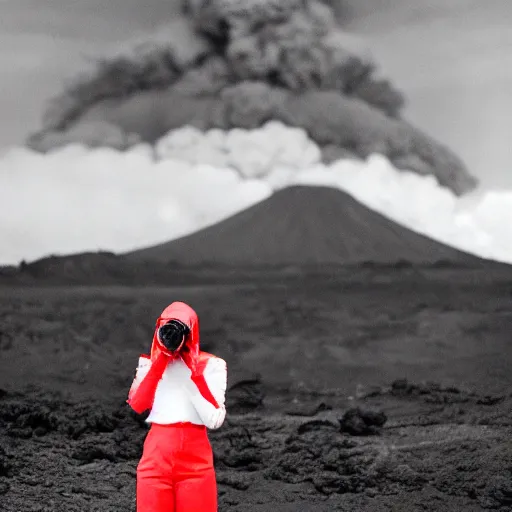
(185, 390)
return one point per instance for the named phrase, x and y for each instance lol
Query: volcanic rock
(245, 395)
(308, 409)
(361, 422)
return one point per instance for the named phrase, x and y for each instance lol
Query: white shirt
(177, 398)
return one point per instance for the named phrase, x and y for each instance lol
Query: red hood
(184, 313)
(142, 395)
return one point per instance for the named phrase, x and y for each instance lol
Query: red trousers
(176, 473)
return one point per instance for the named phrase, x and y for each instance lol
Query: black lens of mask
(172, 334)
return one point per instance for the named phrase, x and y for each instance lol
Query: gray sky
(452, 58)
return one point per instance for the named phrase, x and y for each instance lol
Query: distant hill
(303, 225)
(301, 232)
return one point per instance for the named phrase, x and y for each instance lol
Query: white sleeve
(141, 372)
(215, 375)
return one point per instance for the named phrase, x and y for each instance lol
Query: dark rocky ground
(378, 390)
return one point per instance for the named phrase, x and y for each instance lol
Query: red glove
(143, 396)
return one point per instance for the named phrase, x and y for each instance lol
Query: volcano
(303, 225)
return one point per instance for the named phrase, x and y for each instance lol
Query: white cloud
(75, 199)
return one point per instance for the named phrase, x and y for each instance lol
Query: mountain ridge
(303, 225)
